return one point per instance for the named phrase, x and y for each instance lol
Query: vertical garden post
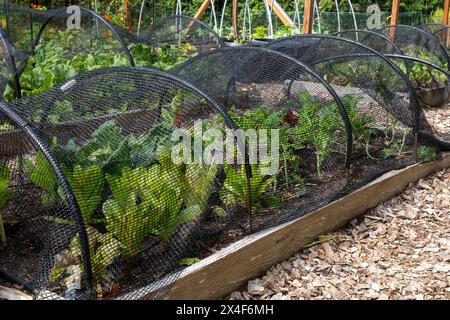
(395, 12)
(128, 13)
(394, 18)
(308, 17)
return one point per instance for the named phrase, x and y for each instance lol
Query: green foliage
(52, 63)
(391, 151)
(318, 127)
(422, 75)
(235, 188)
(87, 185)
(260, 32)
(42, 175)
(146, 202)
(393, 146)
(427, 154)
(103, 248)
(5, 195)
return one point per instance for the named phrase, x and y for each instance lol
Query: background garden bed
(230, 268)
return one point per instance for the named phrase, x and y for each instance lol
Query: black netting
(9, 69)
(112, 180)
(172, 41)
(430, 80)
(440, 31)
(183, 30)
(266, 90)
(112, 134)
(75, 29)
(58, 44)
(41, 231)
(417, 43)
(372, 39)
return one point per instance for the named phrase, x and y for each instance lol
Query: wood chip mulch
(399, 250)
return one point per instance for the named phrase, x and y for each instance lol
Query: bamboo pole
(308, 16)
(235, 19)
(280, 13)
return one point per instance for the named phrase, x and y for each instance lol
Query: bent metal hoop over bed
(224, 73)
(371, 39)
(93, 29)
(111, 133)
(93, 18)
(439, 31)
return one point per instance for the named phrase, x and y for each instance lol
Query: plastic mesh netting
(431, 81)
(439, 31)
(183, 30)
(265, 90)
(9, 75)
(110, 132)
(58, 44)
(115, 179)
(371, 39)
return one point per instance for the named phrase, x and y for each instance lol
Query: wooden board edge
(229, 269)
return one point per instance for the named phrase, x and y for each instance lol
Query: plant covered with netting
(417, 43)
(55, 45)
(95, 187)
(430, 79)
(301, 125)
(352, 67)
